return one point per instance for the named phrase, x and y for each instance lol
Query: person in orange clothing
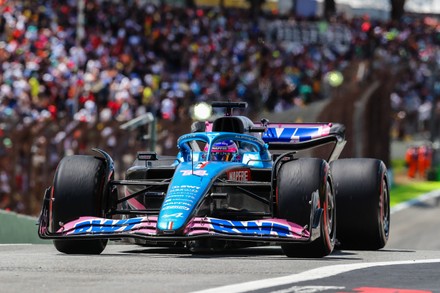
(424, 160)
(411, 159)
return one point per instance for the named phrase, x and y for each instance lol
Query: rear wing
(284, 137)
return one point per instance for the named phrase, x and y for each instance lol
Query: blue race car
(234, 183)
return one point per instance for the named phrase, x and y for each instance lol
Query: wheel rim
(330, 210)
(384, 213)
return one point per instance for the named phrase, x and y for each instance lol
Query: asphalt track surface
(410, 263)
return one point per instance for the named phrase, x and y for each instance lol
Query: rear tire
(363, 201)
(296, 182)
(78, 190)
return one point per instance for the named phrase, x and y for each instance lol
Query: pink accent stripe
(134, 202)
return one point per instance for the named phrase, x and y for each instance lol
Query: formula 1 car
(234, 183)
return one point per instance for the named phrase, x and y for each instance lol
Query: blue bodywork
(195, 173)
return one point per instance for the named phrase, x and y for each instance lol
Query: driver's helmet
(224, 151)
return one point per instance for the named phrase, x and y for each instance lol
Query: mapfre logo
(242, 175)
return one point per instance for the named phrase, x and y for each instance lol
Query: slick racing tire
(296, 181)
(363, 201)
(78, 191)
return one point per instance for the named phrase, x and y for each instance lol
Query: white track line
(15, 244)
(422, 198)
(318, 273)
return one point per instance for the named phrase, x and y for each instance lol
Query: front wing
(264, 230)
(145, 227)
(267, 230)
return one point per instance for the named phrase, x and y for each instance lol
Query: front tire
(296, 182)
(78, 190)
(363, 201)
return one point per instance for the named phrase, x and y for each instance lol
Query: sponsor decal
(291, 133)
(194, 172)
(242, 175)
(175, 215)
(103, 226)
(180, 197)
(201, 165)
(175, 207)
(258, 227)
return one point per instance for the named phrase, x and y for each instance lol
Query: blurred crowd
(415, 99)
(69, 74)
